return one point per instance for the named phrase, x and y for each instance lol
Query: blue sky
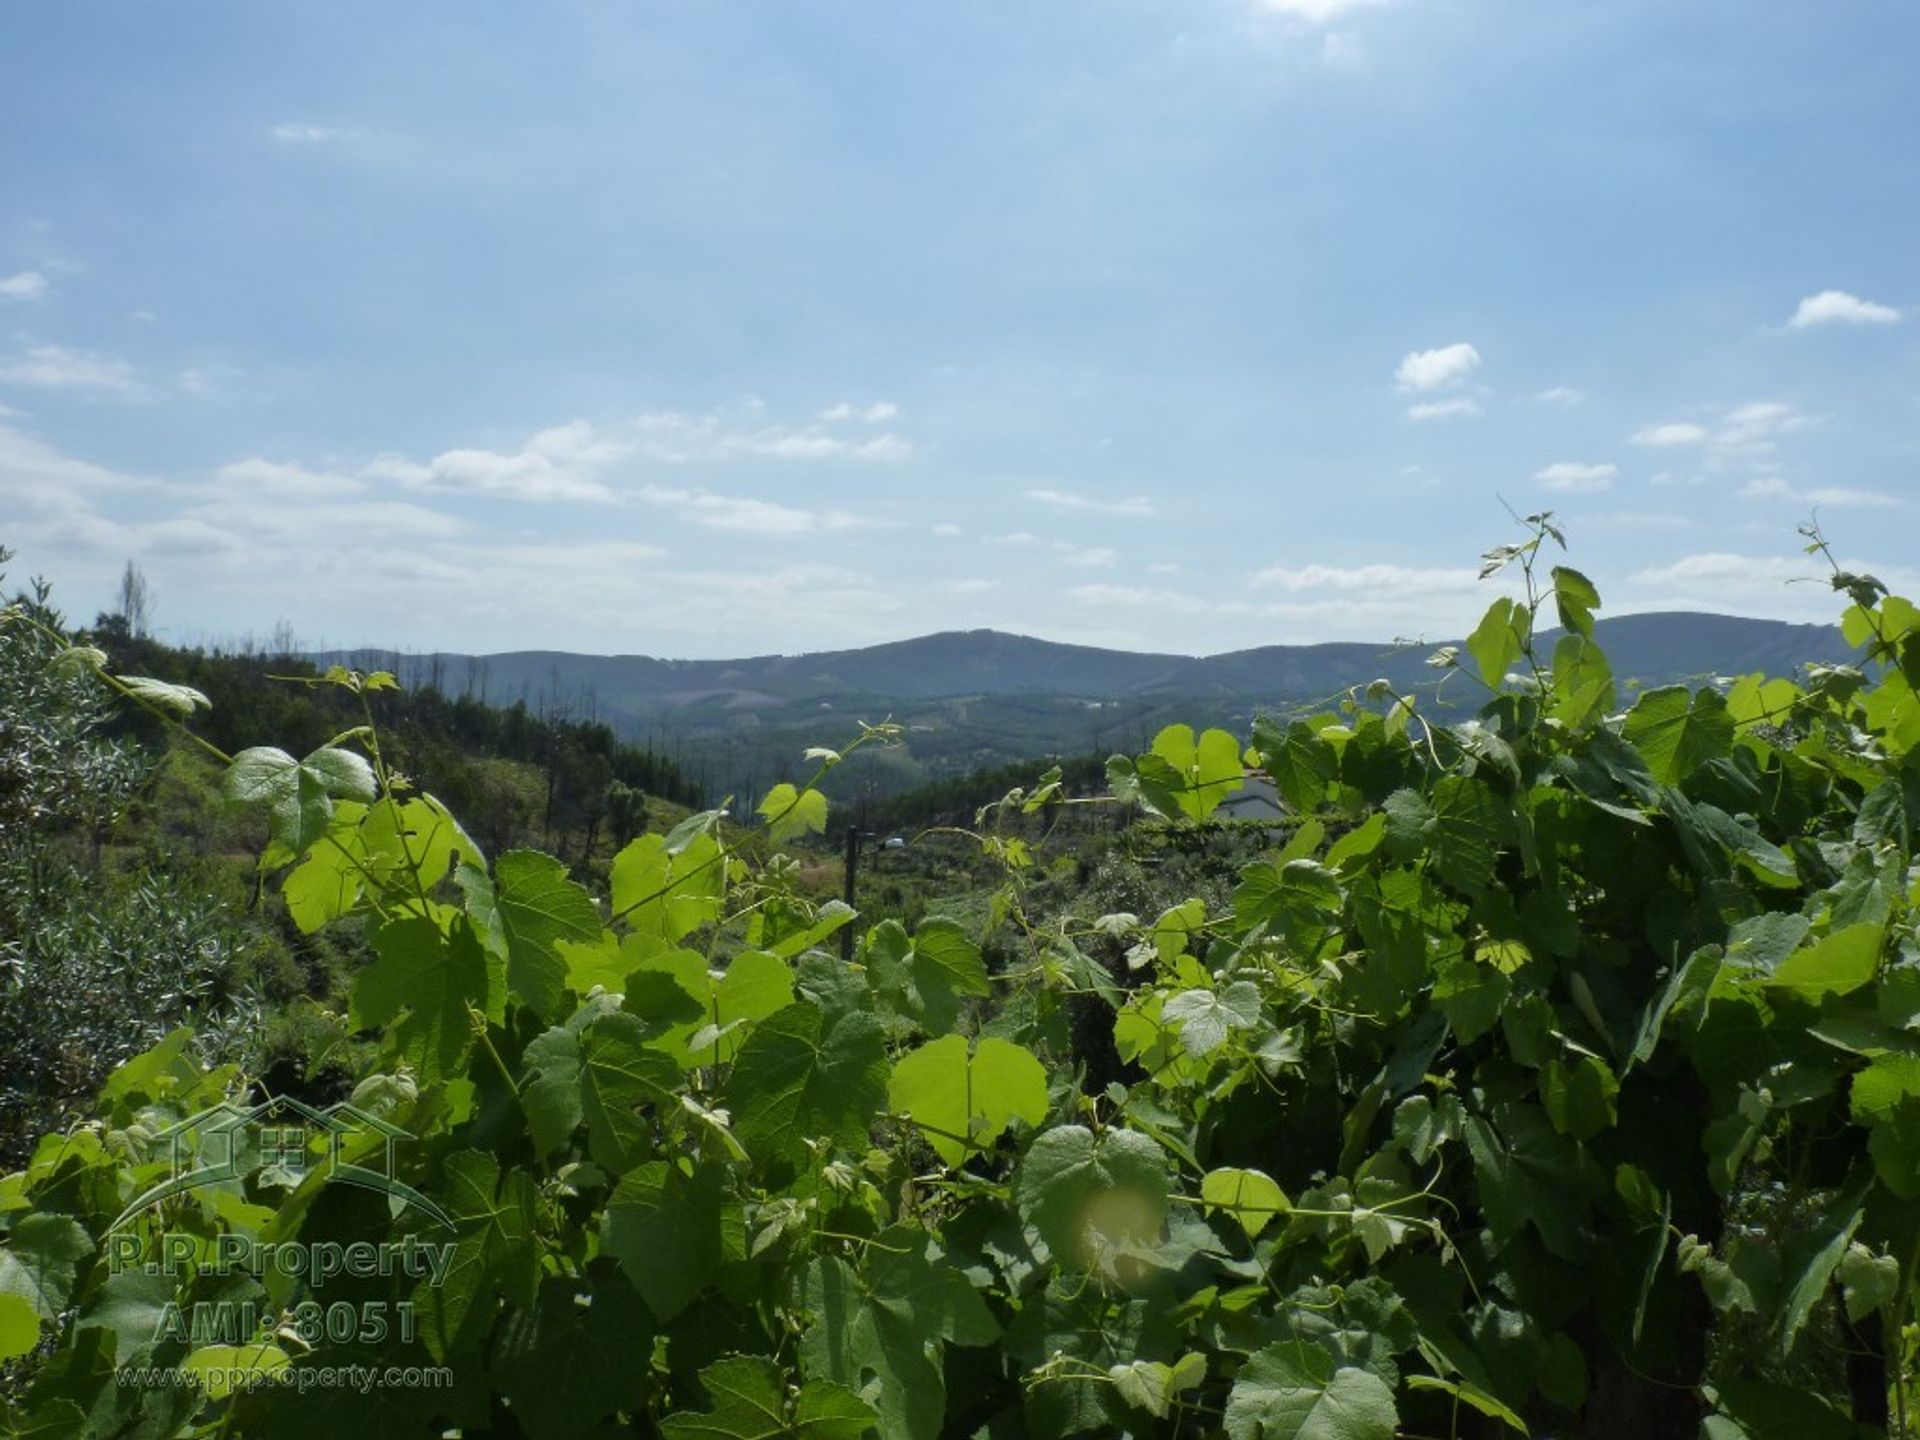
(716, 328)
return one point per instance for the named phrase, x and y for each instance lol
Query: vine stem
(1895, 1339)
(125, 691)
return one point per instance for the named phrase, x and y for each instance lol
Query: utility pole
(847, 891)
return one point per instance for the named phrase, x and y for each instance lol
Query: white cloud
(1324, 602)
(1457, 409)
(1676, 433)
(35, 475)
(298, 132)
(27, 285)
(1138, 596)
(238, 528)
(791, 447)
(872, 414)
(560, 463)
(802, 445)
(1316, 12)
(1774, 488)
(56, 367)
(1837, 307)
(1787, 586)
(947, 530)
(1839, 495)
(1340, 50)
(327, 524)
(1400, 579)
(1067, 501)
(261, 526)
(1759, 421)
(744, 515)
(1746, 432)
(1560, 395)
(1087, 557)
(679, 438)
(1720, 568)
(1574, 475)
(1437, 369)
(258, 476)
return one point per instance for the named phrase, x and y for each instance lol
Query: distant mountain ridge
(989, 664)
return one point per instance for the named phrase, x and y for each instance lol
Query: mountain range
(984, 697)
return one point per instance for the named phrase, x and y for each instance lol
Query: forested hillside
(128, 889)
(976, 700)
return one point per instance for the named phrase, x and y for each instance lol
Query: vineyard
(1552, 1072)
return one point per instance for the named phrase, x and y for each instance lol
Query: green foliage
(790, 813)
(109, 935)
(962, 1100)
(1556, 1072)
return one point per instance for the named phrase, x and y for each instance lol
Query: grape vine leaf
(1810, 1256)
(132, 1304)
(418, 839)
(600, 1072)
(1575, 598)
(175, 699)
(749, 1399)
(19, 1326)
(1677, 732)
(1473, 1396)
(321, 888)
(924, 977)
(1205, 1017)
(792, 1082)
(893, 1325)
(962, 1101)
(755, 984)
(1527, 1172)
(298, 795)
(670, 1229)
(1460, 829)
(1208, 768)
(1836, 965)
(791, 813)
(1583, 689)
(40, 1259)
(1294, 1392)
(538, 906)
(1299, 761)
(419, 987)
(1086, 1194)
(664, 891)
(1498, 640)
(577, 1355)
(1151, 1385)
(494, 1255)
(1250, 1196)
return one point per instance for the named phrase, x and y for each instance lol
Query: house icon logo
(284, 1140)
